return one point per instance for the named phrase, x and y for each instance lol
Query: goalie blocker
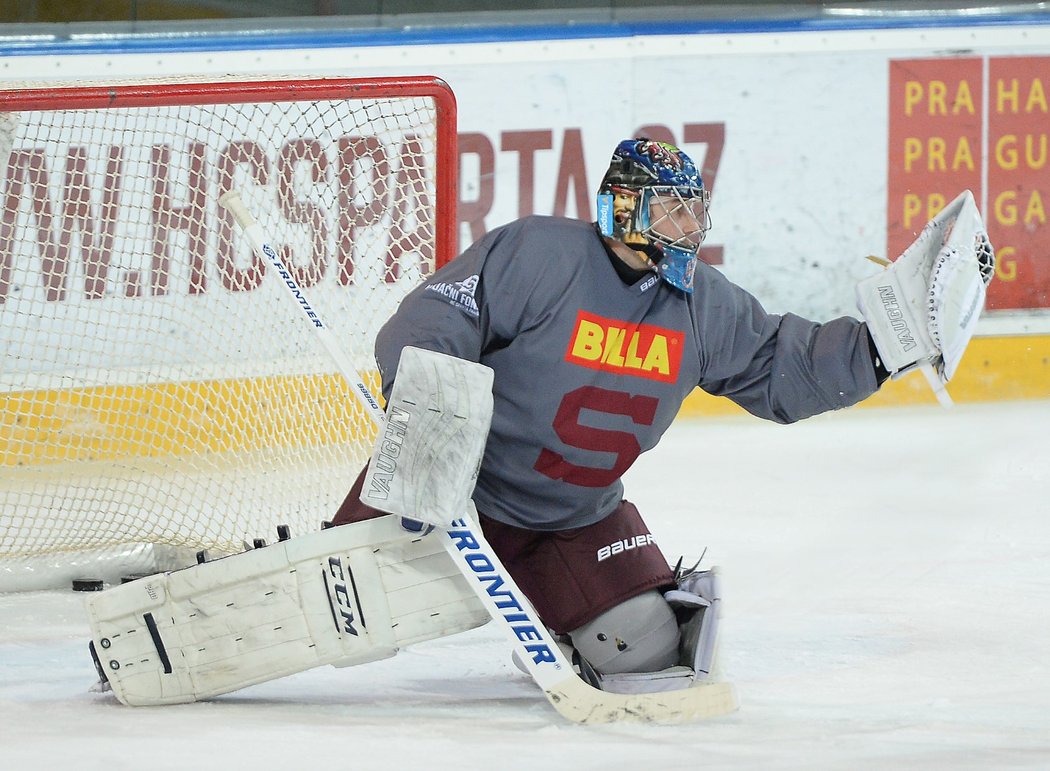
(426, 457)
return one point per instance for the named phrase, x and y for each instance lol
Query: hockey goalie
(522, 380)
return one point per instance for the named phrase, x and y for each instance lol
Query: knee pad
(697, 602)
(638, 635)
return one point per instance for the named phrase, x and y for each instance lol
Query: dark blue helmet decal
(665, 164)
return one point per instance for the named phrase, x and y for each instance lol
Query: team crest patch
(459, 293)
(642, 350)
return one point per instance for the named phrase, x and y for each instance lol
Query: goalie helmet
(653, 200)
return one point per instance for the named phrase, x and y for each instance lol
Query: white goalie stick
(471, 553)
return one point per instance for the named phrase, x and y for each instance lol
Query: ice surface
(887, 583)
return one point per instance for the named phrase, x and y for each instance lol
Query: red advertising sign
(977, 123)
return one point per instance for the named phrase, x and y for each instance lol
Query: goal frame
(209, 90)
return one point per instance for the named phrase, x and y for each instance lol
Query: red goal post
(158, 397)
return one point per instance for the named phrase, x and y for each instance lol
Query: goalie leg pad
(346, 595)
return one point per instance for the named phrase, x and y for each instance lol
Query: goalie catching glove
(923, 309)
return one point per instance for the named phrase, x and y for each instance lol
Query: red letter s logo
(640, 409)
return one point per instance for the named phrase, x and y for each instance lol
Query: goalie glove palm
(924, 307)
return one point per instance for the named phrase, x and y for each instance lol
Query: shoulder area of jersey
(542, 239)
(546, 225)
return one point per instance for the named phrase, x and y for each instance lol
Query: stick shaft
(232, 202)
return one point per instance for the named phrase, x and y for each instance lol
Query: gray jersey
(590, 371)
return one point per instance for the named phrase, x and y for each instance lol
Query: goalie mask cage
(159, 394)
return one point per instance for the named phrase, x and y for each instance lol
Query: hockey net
(159, 395)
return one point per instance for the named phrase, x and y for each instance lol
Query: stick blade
(581, 703)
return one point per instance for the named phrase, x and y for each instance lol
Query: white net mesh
(157, 387)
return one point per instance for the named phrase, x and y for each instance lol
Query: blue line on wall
(350, 38)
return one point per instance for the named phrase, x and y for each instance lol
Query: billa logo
(641, 350)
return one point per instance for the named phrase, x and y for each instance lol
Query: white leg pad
(342, 596)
